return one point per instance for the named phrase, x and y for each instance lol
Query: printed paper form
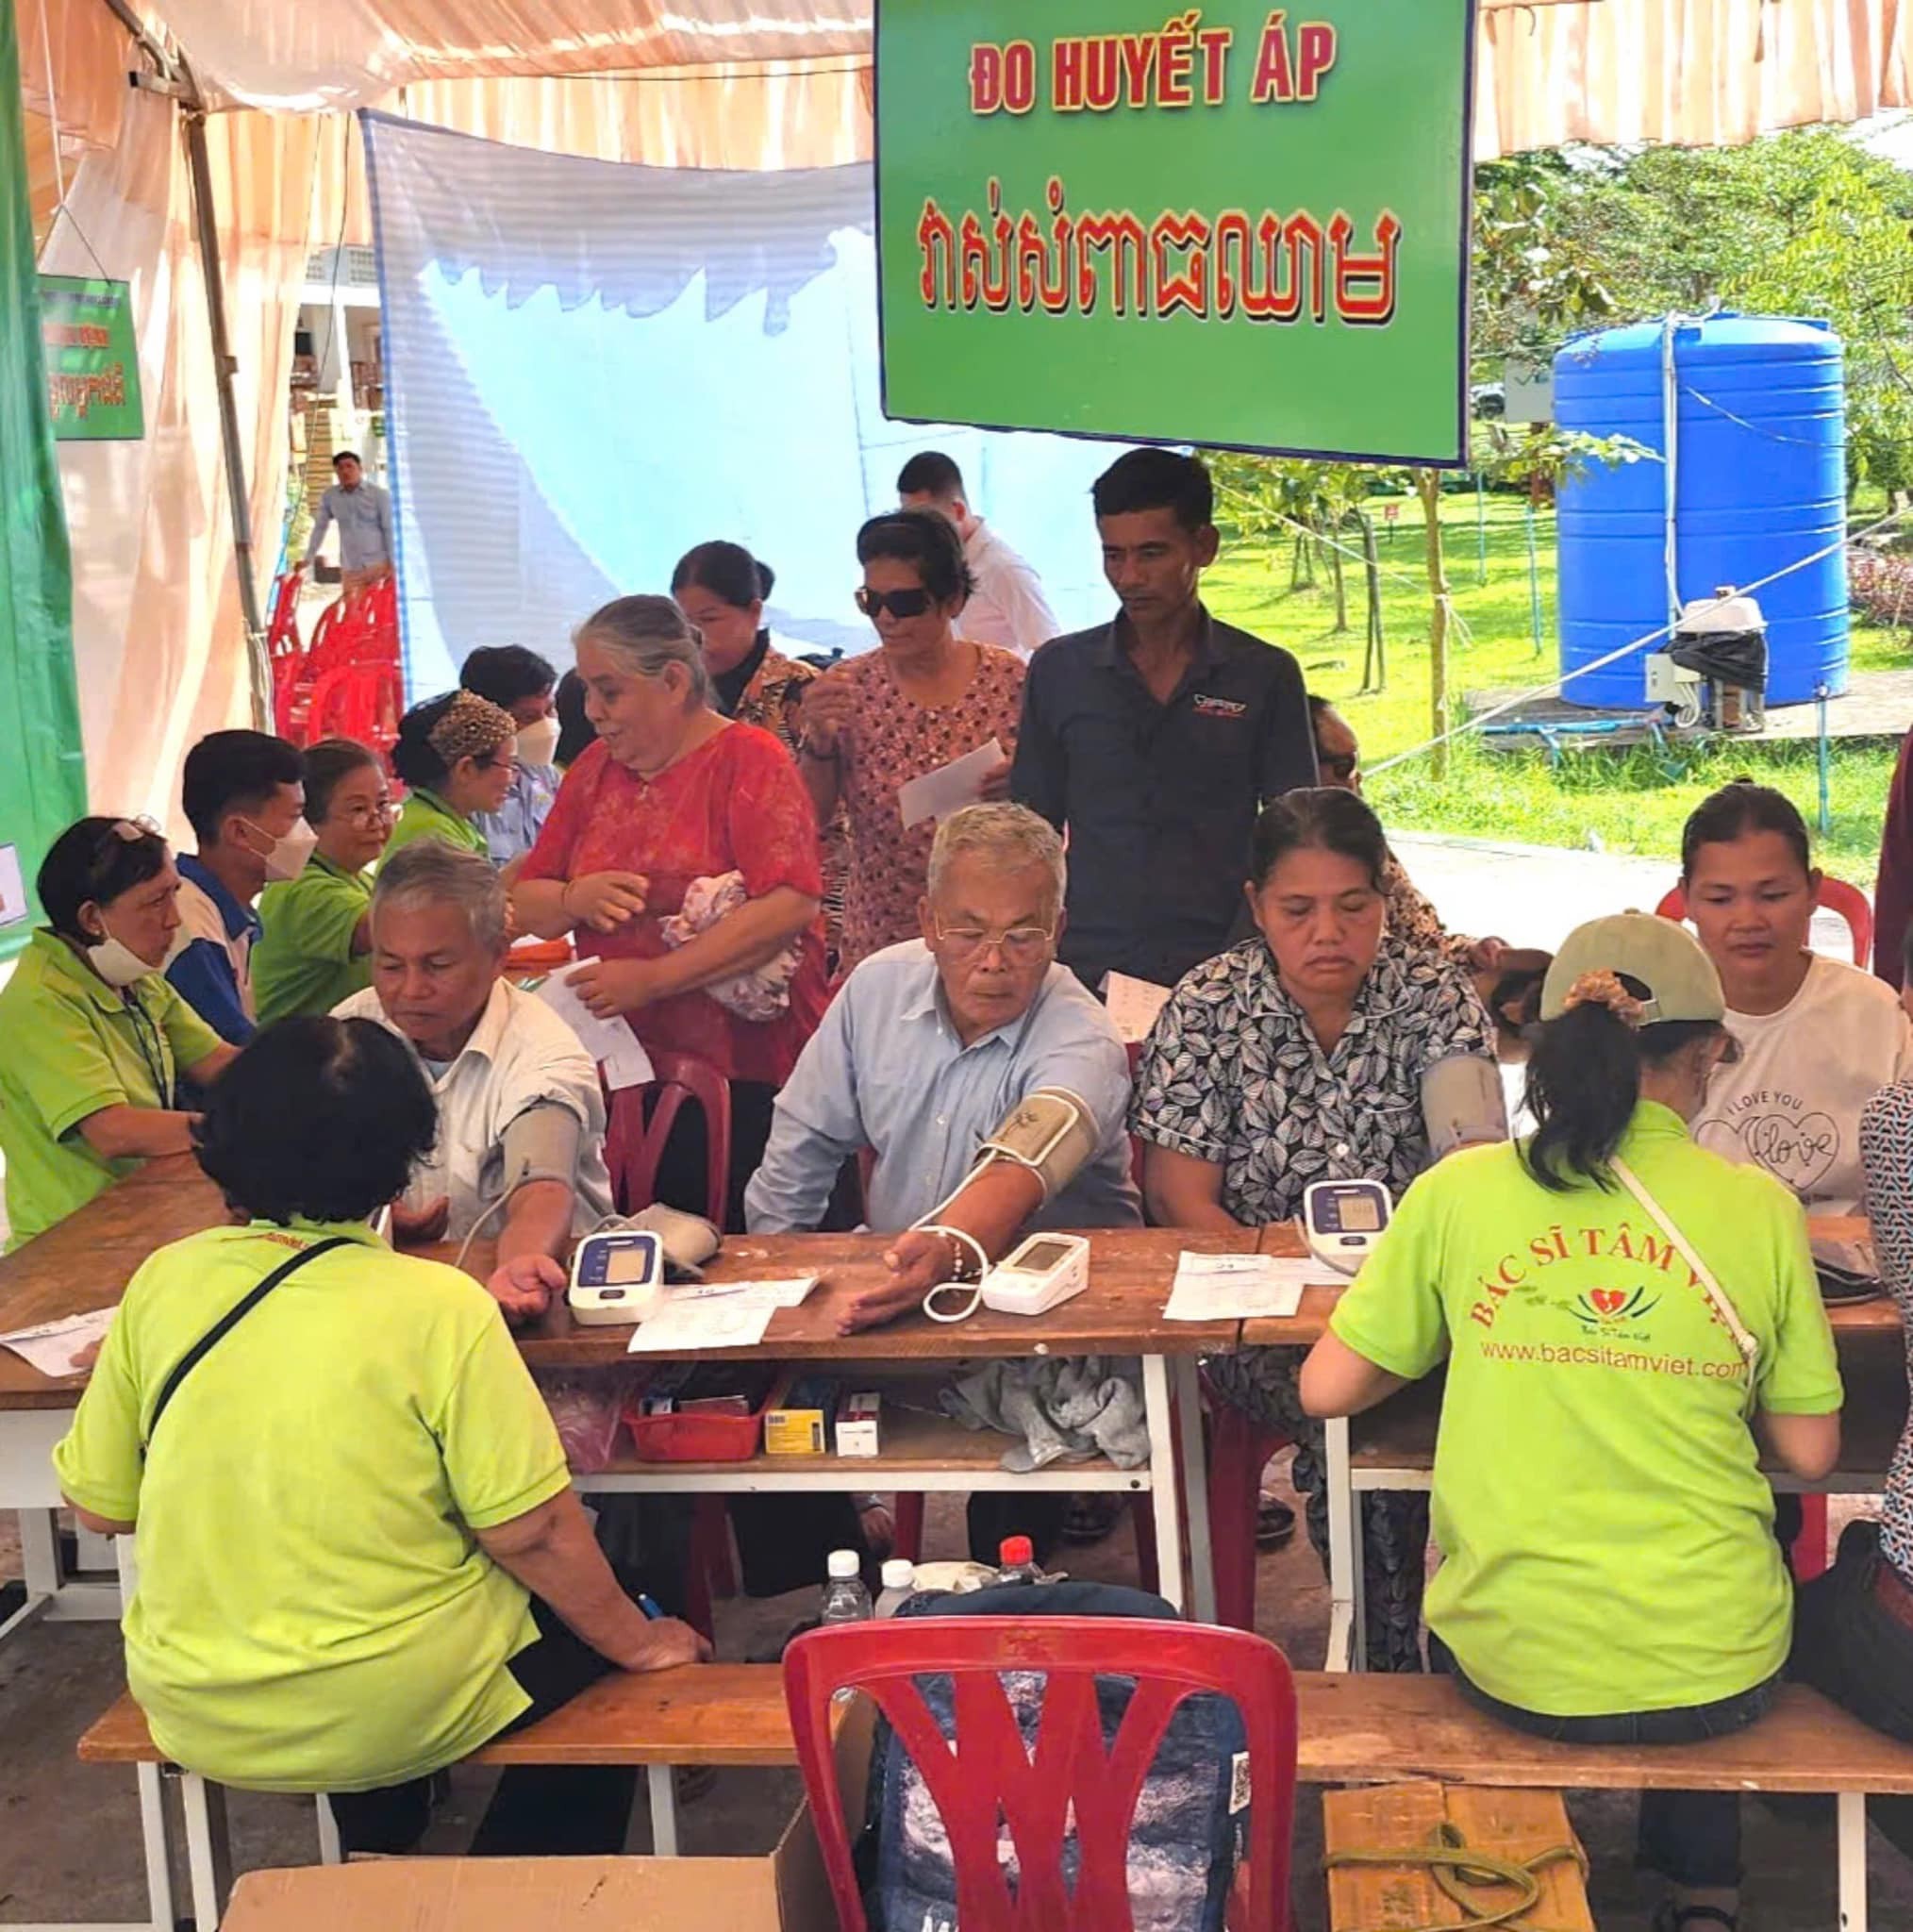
(1132, 1006)
(717, 1314)
(949, 788)
(52, 1346)
(1240, 1288)
(610, 1042)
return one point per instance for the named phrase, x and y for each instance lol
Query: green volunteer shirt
(313, 1612)
(1606, 1534)
(304, 961)
(73, 1045)
(425, 815)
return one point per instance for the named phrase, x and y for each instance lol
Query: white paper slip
(610, 1042)
(51, 1347)
(1239, 1288)
(949, 788)
(722, 1321)
(1133, 1004)
(783, 1294)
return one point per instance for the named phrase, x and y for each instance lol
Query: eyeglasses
(900, 604)
(1020, 942)
(369, 814)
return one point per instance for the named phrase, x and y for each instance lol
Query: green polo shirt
(304, 962)
(425, 815)
(313, 1612)
(70, 1046)
(1607, 1535)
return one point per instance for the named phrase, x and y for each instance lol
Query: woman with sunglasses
(922, 700)
(458, 756)
(97, 1040)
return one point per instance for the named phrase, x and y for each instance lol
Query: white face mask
(538, 743)
(286, 860)
(117, 963)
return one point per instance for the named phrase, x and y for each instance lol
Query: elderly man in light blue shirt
(925, 1052)
(363, 512)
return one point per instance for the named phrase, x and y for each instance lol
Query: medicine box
(856, 1423)
(797, 1421)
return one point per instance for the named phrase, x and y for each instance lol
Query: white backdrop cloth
(591, 367)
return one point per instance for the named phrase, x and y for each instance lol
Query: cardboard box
(783, 1891)
(798, 1422)
(856, 1423)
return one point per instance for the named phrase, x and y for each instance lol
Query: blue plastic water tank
(1761, 483)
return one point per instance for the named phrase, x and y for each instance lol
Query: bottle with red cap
(1016, 1557)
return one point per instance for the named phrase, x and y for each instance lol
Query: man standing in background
(1007, 608)
(1154, 739)
(363, 512)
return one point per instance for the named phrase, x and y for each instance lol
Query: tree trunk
(1428, 488)
(1340, 582)
(1375, 664)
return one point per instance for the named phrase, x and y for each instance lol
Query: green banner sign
(92, 361)
(1238, 227)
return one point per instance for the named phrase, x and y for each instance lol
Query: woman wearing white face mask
(97, 1042)
(520, 682)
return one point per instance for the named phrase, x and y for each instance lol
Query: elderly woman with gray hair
(683, 853)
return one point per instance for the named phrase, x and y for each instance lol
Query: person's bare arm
(604, 901)
(1337, 1381)
(822, 776)
(538, 1229)
(1183, 1191)
(203, 1073)
(138, 1133)
(1809, 1446)
(541, 907)
(992, 1210)
(100, 1525)
(551, 1552)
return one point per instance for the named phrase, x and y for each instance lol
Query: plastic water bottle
(900, 1581)
(1016, 1557)
(845, 1599)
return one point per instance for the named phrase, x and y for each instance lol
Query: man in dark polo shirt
(1154, 739)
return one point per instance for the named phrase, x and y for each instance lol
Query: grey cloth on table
(1060, 1407)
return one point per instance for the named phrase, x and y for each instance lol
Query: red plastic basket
(699, 1437)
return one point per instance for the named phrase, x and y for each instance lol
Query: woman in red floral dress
(671, 794)
(922, 699)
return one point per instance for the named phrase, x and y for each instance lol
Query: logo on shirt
(1206, 707)
(1610, 1307)
(1796, 1144)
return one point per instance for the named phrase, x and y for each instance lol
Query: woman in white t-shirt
(1818, 1037)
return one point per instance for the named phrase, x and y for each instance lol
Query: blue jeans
(1689, 1838)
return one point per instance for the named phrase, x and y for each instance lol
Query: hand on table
(829, 709)
(419, 1227)
(525, 1286)
(605, 900)
(997, 783)
(611, 986)
(917, 1261)
(666, 1643)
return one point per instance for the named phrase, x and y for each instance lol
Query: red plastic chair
(635, 1144)
(282, 628)
(1835, 895)
(988, 1780)
(362, 701)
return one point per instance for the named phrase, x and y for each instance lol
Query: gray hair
(647, 634)
(1007, 836)
(428, 871)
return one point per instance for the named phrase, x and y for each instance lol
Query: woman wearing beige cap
(1611, 1574)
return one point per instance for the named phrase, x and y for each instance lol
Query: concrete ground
(69, 1844)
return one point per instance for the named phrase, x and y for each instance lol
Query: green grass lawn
(1633, 800)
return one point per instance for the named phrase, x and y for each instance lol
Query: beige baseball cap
(1662, 955)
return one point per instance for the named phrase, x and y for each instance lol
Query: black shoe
(1275, 1524)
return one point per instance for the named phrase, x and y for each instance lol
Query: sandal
(1678, 1918)
(1274, 1522)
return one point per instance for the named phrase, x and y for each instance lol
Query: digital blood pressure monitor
(616, 1278)
(1046, 1271)
(1343, 1220)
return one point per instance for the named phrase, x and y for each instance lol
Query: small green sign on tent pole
(92, 361)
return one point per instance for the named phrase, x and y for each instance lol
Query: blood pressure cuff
(542, 1144)
(1050, 1132)
(1463, 1104)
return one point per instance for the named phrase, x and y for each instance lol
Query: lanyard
(152, 1051)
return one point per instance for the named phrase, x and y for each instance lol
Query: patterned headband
(472, 727)
(1605, 989)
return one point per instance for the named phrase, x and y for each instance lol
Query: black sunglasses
(900, 604)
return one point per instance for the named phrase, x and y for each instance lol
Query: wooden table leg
(1194, 1469)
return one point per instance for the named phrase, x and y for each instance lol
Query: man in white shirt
(363, 512)
(1007, 608)
(520, 1147)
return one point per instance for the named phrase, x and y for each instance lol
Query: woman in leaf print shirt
(1302, 1056)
